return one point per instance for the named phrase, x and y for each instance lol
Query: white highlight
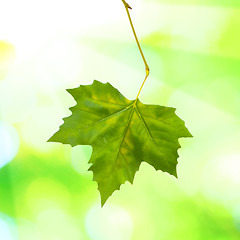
(229, 167)
(5, 232)
(7, 228)
(30, 24)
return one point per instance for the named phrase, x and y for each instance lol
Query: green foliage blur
(193, 50)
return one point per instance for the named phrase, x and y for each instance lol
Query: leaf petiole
(127, 7)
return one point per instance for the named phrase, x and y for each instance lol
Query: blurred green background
(193, 50)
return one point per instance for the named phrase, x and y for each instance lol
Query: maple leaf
(123, 134)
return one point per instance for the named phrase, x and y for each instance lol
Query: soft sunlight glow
(58, 62)
(192, 48)
(229, 167)
(31, 24)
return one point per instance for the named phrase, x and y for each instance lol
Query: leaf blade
(123, 134)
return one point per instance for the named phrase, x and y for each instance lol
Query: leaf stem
(139, 47)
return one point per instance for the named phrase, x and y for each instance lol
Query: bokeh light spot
(236, 217)
(17, 96)
(9, 143)
(7, 56)
(55, 224)
(80, 156)
(109, 222)
(7, 228)
(5, 232)
(46, 192)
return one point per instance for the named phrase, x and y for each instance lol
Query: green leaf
(123, 134)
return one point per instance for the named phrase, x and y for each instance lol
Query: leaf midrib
(120, 145)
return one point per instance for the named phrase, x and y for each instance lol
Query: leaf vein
(129, 175)
(159, 121)
(84, 110)
(110, 116)
(149, 134)
(97, 100)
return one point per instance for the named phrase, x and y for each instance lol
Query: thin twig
(127, 7)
